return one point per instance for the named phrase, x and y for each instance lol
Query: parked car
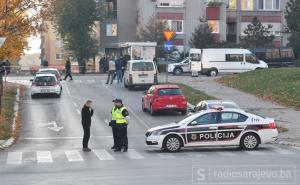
(50, 71)
(180, 67)
(140, 73)
(45, 84)
(211, 104)
(214, 127)
(215, 60)
(164, 97)
(277, 57)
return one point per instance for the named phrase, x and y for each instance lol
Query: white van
(140, 73)
(215, 60)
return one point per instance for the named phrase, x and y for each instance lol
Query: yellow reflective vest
(118, 116)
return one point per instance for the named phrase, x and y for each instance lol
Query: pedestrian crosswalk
(48, 157)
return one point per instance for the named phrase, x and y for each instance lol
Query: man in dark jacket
(68, 70)
(86, 118)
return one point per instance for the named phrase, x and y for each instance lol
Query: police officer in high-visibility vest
(122, 120)
(112, 123)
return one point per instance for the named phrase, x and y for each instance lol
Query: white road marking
(284, 151)
(227, 154)
(78, 111)
(166, 156)
(44, 157)
(14, 158)
(78, 81)
(103, 155)
(73, 156)
(91, 81)
(256, 152)
(75, 104)
(133, 154)
(54, 126)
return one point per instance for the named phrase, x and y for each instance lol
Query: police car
(216, 127)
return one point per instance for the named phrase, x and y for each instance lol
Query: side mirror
(31, 80)
(194, 123)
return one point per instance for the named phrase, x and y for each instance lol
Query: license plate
(143, 75)
(45, 90)
(171, 106)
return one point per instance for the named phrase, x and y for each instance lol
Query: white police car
(216, 127)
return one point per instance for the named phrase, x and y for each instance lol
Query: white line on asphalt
(44, 157)
(166, 156)
(73, 156)
(78, 111)
(91, 81)
(103, 155)
(227, 154)
(14, 158)
(78, 81)
(133, 154)
(75, 104)
(283, 151)
(78, 137)
(68, 90)
(256, 152)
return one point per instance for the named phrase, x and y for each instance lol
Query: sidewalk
(284, 116)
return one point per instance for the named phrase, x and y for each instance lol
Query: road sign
(168, 35)
(168, 45)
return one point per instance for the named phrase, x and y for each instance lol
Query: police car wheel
(177, 71)
(249, 142)
(172, 144)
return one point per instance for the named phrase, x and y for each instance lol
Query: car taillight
(272, 125)
(130, 78)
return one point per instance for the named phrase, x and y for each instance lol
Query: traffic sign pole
(168, 45)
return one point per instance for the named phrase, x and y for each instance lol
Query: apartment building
(227, 18)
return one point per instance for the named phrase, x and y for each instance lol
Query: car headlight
(155, 133)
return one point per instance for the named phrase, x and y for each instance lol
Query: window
(232, 117)
(169, 92)
(268, 4)
(234, 58)
(45, 79)
(111, 30)
(214, 26)
(59, 56)
(232, 4)
(210, 118)
(195, 57)
(177, 26)
(251, 59)
(247, 4)
(142, 66)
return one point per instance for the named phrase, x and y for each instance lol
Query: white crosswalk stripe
(166, 156)
(44, 157)
(255, 152)
(14, 158)
(103, 155)
(227, 154)
(91, 81)
(133, 154)
(73, 156)
(78, 81)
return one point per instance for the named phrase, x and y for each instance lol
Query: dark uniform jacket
(86, 116)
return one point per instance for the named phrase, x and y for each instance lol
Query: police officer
(122, 120)
(112, 124)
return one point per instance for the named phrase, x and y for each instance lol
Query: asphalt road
(45, 155)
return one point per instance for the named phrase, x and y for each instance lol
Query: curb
(10, 141)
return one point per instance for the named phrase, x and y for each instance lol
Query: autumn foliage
(18, 20)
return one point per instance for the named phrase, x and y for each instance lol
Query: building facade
(227, 18)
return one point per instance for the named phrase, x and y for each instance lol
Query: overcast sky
(34, 44)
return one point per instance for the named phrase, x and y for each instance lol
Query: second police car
(216, 127)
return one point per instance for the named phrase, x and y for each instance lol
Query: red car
(164, 97)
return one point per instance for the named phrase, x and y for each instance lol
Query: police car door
(202, 130)
(230, 127)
